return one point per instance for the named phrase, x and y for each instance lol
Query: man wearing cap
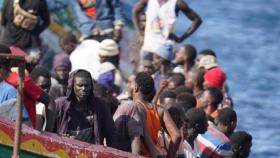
(215, 77)
(109, 52)
(161, 61)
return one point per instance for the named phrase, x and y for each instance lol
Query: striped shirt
(213, 143)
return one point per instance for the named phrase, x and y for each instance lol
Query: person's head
(109, 52)
(163, 56)
(62, 67)
(68, 42)
(214, 77)
(241, 143)
(82, 85)
(177, 116)
(207, 62)
(182, 89)
(186, 53)
(147, 65)
(186, 101)
(142, 21)
(42, 78)
(175, 81)
(210, 99)
(197, 121)
(203, 53)
(143, 86)
(167, 98)
(194, 79)
(107, 75)
(4, 65)
(226, 120)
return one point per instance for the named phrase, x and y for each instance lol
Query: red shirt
(31, 94)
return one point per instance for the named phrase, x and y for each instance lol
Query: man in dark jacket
(19, 36)
(83, 116)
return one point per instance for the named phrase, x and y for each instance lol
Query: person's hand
(163, 84)
(117, 35)
(174, 38)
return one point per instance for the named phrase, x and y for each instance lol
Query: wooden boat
(17, 140)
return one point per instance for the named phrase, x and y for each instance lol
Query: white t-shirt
(85, 56)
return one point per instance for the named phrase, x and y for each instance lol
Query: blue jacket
(108, 12)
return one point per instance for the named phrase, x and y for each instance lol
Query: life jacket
(23, 18)
(153, 125)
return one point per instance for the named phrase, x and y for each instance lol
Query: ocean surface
(246, 37)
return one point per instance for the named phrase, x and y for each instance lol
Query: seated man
(215, 142)
(32, 93)
(81, 115)
(42, 78)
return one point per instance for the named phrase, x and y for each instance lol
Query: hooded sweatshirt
(103, 124)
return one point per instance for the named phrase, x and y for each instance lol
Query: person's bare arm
(50, 110)
(172, 130)
(192, 15)
(163, 85)
(137, 9)
(136, 145)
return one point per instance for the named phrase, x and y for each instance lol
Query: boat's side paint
(52, 145)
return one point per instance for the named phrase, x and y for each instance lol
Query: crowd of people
(175, 103)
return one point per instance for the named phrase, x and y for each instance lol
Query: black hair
(178, 79)
(39, 71)
(186, 101)
(83, 74)
(148, 56)
(68, 37)
(190, 49)
(226, 116)
(195, 116)
(167, 94)
(239, 139)
(146, 84)
(100, 90)
(216, 96)
(182, 89)
(208, 52)
(176, 115)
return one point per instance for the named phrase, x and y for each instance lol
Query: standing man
(161, 16)
(83, 116)
(22, 22)
(153, 116)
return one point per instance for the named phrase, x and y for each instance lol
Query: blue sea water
(246, 36)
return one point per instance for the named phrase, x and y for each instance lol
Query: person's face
(180, 56)
(199, 56)
(245, 151)
(44, 83)
(148, 67)
(168, 102)
(82, 88)
(62, 72)
(157, 62)
(68, 48)
(102, 59)
(171, 85)
(204, 100)
(142, 21)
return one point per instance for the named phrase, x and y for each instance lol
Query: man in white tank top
(161, 16)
